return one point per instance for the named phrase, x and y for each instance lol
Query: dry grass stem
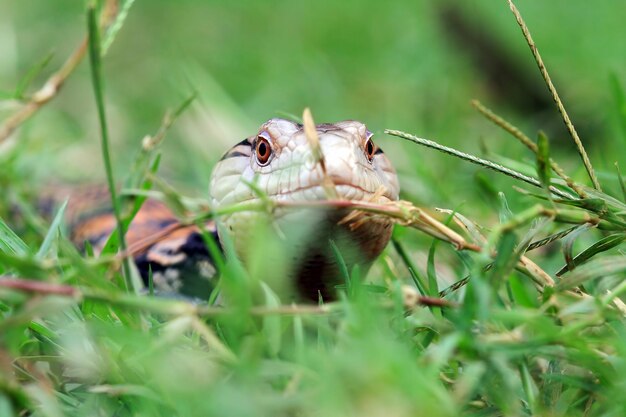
(555, 96)
(478, 161)
(46, 93)
(314, 142)
(526, 141)
(549, 239)
(184, 308)
(54, 83)
(539, 275)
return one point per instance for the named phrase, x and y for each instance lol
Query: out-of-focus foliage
(506, 346)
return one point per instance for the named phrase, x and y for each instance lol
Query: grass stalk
(478, 161)
(96, 78)
(419, 281)
(53, 84)
(116, 25)
(177, 307)
(552, 238)
(526, 141)
(555, 96)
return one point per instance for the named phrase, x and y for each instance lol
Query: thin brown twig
(526, 141)
(412, 298)
(39, 287)
(46, 93)
(165, 306)
(555, 96)
(54, 83)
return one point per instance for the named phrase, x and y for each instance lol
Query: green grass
(516, 339)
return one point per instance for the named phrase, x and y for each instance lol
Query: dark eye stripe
(243, 148)
(234, 154)
(378, 151)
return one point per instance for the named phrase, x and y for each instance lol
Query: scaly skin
(357, 170)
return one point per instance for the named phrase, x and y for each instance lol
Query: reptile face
(280, 160)
(281, 163)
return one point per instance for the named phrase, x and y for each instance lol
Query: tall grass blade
(559, 104)
(620, 179)
(433, 288)
(117, 24)
(95, 54)
(552, 238)
(526, 141)
(10, 243)
(602, 245)
(506, 258)
(53, 232)
(341, 264)
(568, 245)
(32, 73)
(478, 161)
(419, 281)
(543, 160)
(598, 268)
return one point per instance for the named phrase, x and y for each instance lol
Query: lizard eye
(263, 149)
(370, 148)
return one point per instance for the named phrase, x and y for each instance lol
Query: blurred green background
(409, 65)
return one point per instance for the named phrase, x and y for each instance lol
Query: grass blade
(10, 243)
(504, 211)
(113, 241)
(598, 268)
(272, 324)
(341, 264)
(620, 179)
(526, 141)
(116, 25)
(95, 55)
(478, 161)
(568, 246)
(53, 232)
(419, 281)
(506, 258)
(552, 238)
(555, 95)
(602, 245)
(433, 288)
(32, 73)
(543, 160)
